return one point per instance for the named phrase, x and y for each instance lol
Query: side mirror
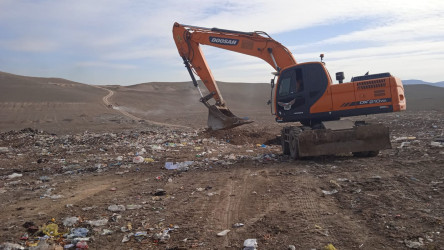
(340, 77)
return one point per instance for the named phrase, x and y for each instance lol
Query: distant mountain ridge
(414, 81)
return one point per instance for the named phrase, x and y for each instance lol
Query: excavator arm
(188, 40)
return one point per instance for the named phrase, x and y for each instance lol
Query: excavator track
(363, 140)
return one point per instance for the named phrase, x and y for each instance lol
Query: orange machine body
(304, 92)
(316, 98)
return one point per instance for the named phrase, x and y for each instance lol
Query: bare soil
(392, 201)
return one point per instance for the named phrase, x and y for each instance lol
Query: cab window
(287, 83)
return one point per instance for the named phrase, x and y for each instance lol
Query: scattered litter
(98, 223)
(82, 245)
(4, 149)
(334, 191)
(138, 159)
(14, 175)
(162, 237)
(133, 207)
(404, 144)
(11, 246)
(127, 237)
(44, 178)
(250, 244)
(89, 208)
(179, 165)
(236, 225)
(51, 229)
(107, 232)
(405, 138)
(116, 208)
(160, 192)
(414, 244)
(329, 247)
(148, 160)
(223, 233)
(79, 232)
(70, 221)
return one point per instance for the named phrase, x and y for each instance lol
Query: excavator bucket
(222, 118)
(362, 140)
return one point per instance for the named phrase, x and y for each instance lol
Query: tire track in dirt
(237, 202)
(106, 101)
(83, 191)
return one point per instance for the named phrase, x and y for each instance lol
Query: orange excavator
(303, 93)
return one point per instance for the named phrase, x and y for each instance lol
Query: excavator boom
(188, 40)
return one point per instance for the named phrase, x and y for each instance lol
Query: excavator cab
(298, 88)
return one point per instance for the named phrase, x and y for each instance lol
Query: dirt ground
(111, 180)
(392, 201)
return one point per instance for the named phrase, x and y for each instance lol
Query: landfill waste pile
(162, 188)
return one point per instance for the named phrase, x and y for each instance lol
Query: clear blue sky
(129, 42)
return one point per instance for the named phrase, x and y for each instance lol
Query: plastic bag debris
(148, 160)
(250, 244)
(116, 208)
(133, 207)
(334, 191)
(79, 232)
(107, 232)
(50, 229)
(127, 237)
(11, 246)
(138, 159)
(178, 165)
(162, 237)
(329, 247)
(4, 149)
(414, 244)
(14, 175)
(44, 178)
(82, 245)
(223, 233)
(70, 221)
(98, 223)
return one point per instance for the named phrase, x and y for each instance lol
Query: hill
(60, 105)
(416, 82)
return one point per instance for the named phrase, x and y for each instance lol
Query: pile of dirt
(242, 136)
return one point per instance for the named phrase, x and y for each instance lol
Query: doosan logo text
(224, 41)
